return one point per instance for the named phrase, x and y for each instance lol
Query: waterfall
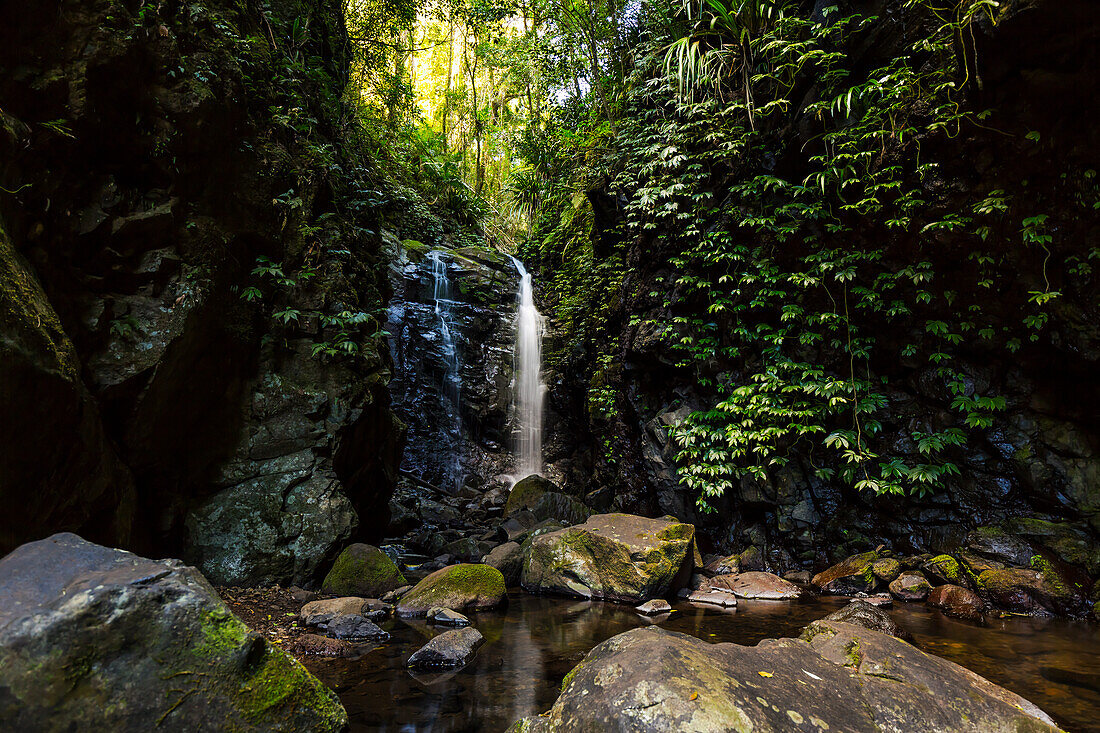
(529, 389)
(451, 393)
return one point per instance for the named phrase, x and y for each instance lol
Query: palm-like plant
(719, 46)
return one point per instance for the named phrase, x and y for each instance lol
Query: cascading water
(451, 392)
(529, 390)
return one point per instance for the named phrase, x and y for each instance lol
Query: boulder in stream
(450, 649)
(616, 557)
(526, 494)
(867, 615)
(757, 586)
(93, 638)
(910, 586)
(508, 559)
(853, 575)
(463, 587)
(954, 600)
(842, 678)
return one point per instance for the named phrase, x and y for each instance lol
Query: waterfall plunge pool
(534, 641)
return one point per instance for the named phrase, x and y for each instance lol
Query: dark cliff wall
(149, 155)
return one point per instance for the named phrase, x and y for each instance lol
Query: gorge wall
(191, 343)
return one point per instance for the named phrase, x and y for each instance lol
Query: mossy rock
(886, 569)
(618, 557)
(362, 570)
(463, 587)
(101, 639)
(947, 569)
(853, 575)
(526, 494)
(1040, 590)
(1070, 542)
(556, 505)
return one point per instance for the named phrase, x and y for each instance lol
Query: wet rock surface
(654, 680)
(758, 586)
(448, 650)
(616, 557)
(853, 575)
(116, 626)
(867, 615)
(910, 586)
(957, 601)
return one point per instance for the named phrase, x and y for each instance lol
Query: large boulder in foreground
(362, 570)
(464, 587)
(615, 557)
(844, 678)
(93, 638)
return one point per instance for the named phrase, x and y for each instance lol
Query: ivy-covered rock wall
(858, 289)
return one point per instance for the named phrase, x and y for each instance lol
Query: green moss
(282, 685)
(466, 582)
(362, 570)
(1053, 579)
(222, 633)
(947, 568)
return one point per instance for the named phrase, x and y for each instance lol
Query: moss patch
(362, 570)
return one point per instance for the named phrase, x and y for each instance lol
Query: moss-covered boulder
(946, 569)
(526, 494)
(618, 557)
(362, 570)
(1071, 542)
(1039, 590)
(997, 544)
(508, 559)
(464, 587)
(842, 678)
(853, 575)
(886, 569)
(556, 505)
(93, 638)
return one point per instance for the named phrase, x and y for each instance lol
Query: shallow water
(535, 641)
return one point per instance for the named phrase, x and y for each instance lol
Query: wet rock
(468, 549)
(447, 617)
(619, 557)
(799, 577)
(526, 494)
(395, 595)
(854, 575)
(843, 678)
(751, 559)
(730, 565)
(119, 628)
(320, 612)
(878, 600)
(910, 586)
(362, 570)
(1032, 591)
(450, 649)
(315, 645)
(758, 586)
(946, 569)
(515, 527)
(464, 587)
(354, 626)
(957, 601)
(886, 569)
(861, 613)
(999, 545)
(555, 505)
(974, 564)
(709, 596)
(508, 559)
(1071, 542)
(654, 607)
(1075, 677)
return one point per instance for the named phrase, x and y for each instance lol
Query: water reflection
(532, 644)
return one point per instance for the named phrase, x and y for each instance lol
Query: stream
(535, 641)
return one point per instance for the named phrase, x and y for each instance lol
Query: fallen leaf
(765, 674)
(694, 695)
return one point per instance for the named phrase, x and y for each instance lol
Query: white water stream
(529, 391)
(451, 392)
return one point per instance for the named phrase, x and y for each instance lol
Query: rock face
(854, 575)
(758, 586)
(649, 680)
(362, 570)
(1030, 591)
(616, 557)
(448, 650)
(464, 587)
(279, 526)
(957, 601)
(84, 624)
